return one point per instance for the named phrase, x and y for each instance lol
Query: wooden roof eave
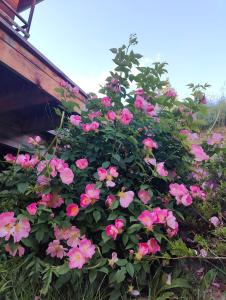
(40, 70)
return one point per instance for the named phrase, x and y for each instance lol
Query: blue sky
(189, 34)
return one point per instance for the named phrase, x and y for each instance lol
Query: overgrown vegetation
(125, 202)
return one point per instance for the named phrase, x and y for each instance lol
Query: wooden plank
(21, 61)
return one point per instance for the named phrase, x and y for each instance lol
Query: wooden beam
(19, 59)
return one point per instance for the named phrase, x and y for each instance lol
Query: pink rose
(72, 210)
(102, 173)
(160, 169)
(126, 198)
(126, 116)
(66, 176)
(94, 126)
(82, 163)
(106, 102)
(149, 143)
(75, 120)
(144, 196)
(111, 115)
(199, 153)
(32, 208)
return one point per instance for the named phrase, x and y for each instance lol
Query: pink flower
(178, 190)
(67, 176)
(113, 171)
(55, 249)
(153, 246)
(199, 153)
(17, 248)
(76, 258)
(161, 215)
(61, 233)
(147, 218)
(73, 235)
(144, 196)
(106, 102)
(111, 231)
(126, 116)
(215, 221)
(171, 93)
(82, 163)
(160, 169)
(42, 180)
(94, 114)
(143, 249)
(150, 161)
(139, 102)
(111, 115)
(51, 200)
(113, 260)
(186, 200)
(110, 200)
(139, 92)
(75, 120)
(86, 248)
(86, 127)
(32, 209)
(92, 191)
(85, 200)
(216, 138)
(35, 141)
(102, 173)
(7, 221)
(119, 224)
(72, 210)
(149, 143)
(94, 126)
(21, 230)
(10, 158)
(197, 192)
(126, 198)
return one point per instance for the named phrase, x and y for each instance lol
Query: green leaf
(113, 50)
(134, 228)
(103, 270)
(22, 187)
(125, 239)
(105, 238)
(121, 262)
(97, 215)
(116, 294)
(92, 275)
(39, 235)
(61, 270)
(106, 164)
(120, 275)
(130, 269)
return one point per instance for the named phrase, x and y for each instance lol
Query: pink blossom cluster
(80, 251)
(190, 136)
(160, 168)
(91, 195)
(57, 166)
(48, 200)
(215, 139)
(111, 115)
(141, 104)
(150, 144)
(171, 93)
(146, 248)
(181, 193)
(113, 230)
(86, 127)
(159, 216)
(199, 153)
(10, 226)
(106, 102)
(110, 200)
(75, 90)
(108, 175)
(34, 141)
(94, 114)
(24, 160)
(126, 116)
(197, 192)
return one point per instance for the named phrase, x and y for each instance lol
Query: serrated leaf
(130, 269)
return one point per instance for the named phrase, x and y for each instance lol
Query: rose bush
(122, 189)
